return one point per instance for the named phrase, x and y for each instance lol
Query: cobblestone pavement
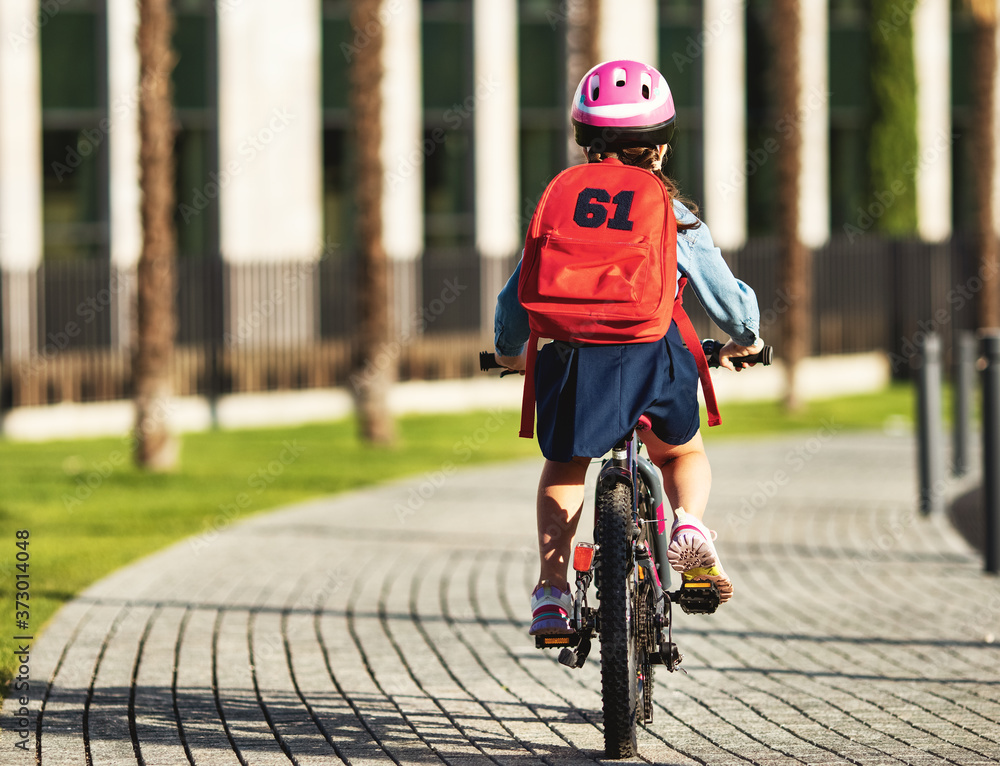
(390, 626)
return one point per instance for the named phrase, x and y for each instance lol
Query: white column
(402, 135)
(270, 149)
(123, 148)
(20, 172)
(497, 162)
(496, 127)
(725, 122)
(20, 136)
(932, 49)
(814, 122)
(269, 181)
(403, 159)
(629, 31)
(123, 112)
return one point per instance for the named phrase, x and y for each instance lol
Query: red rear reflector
(583, 557)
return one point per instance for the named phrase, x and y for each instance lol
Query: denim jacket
(730, 303)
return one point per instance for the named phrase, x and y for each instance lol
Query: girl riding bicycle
(589, 396)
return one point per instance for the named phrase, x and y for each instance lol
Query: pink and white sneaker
(550, 611)
(692, 553)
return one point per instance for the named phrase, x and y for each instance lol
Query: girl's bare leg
(560, 501)
(687, 475)
(687, 480)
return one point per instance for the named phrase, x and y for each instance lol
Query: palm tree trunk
(984, 141)
(794, 271)
(582, 32)
(155, 447)
(377, 369)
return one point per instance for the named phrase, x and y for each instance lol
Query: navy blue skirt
(589, 398)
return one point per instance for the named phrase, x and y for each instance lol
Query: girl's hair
(648, 158)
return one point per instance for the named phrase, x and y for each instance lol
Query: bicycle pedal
(556, 640)
(669, 656)
(575, 658)
(699, 597)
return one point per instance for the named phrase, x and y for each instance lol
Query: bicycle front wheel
(619, 655)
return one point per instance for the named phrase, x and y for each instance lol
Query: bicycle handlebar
(487, 361)
(713, 347)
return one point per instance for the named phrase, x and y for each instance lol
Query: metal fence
(67, 327)
(869, 294)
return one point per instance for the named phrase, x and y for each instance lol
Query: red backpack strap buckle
(691, 340)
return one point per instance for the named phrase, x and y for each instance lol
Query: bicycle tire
(619, 654)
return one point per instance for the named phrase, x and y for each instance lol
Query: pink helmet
(623, 102)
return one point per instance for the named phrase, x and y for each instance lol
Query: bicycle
(627, 562)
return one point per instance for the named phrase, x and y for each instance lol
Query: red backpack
(600, 267)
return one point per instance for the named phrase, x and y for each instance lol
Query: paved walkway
(389, 626)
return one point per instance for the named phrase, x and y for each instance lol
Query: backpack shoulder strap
(528, 397)
(690, 338)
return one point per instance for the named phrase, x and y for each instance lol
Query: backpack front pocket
(585, 271)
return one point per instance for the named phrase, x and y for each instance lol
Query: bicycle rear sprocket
(646, 640)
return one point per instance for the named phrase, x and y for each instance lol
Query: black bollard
(965, 366)
(929, 429)
(991, 449)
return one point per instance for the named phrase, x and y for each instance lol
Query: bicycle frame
(627, 465)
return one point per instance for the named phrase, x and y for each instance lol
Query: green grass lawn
(88, 510)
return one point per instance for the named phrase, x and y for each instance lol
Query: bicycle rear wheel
(619, 655)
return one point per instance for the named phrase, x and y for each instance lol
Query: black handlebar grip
(487, 361)
(712, 347)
